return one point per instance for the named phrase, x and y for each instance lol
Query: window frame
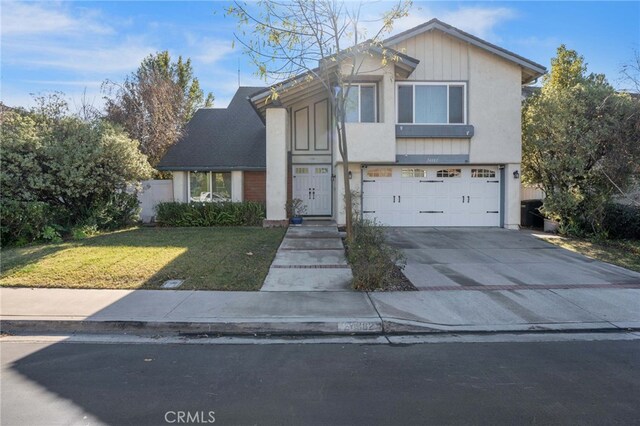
(375, 102)
(210, 185)
(447, 84)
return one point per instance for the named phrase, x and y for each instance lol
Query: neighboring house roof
(221, 139)
(531, 70)
(529, 91)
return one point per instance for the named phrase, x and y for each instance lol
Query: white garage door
(432, 195)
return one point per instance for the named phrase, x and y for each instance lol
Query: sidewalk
(313, 312)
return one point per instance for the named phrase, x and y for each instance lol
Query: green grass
(206, 258)
(625, 253)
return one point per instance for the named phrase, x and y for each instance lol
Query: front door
(312, 184)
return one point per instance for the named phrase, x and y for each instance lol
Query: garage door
(432, 196)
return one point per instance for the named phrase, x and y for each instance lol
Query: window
(379, 172)
(431, 103)
(360, 104)
(199, 186)
(221, 186)
(483, 173)
(302, 170)
(209, 187)
(449, 173)
(414, 173)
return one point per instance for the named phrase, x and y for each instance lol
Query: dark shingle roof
(221, 139)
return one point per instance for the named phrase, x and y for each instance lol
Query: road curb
(400, 326)
(289, 327)
(365, 326)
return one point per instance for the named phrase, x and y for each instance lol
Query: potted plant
(295, 210)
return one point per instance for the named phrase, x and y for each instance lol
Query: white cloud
(212, 50)
(20, 18)
(100, 59)
(79, 83)
(480, 21)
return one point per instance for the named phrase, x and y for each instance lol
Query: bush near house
(60, 172)
(375, 265)
(579, 144)
(622, 221)
(247, 213)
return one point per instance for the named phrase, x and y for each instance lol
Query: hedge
(210, 214)
(622, 221)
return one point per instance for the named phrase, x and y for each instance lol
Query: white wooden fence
(152, 193)
(531, 193)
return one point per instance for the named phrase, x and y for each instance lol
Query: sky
(73, 47)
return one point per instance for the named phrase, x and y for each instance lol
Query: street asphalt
(561, 382)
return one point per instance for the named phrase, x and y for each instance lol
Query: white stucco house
(434, 138)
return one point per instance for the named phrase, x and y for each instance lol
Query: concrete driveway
(459, 258)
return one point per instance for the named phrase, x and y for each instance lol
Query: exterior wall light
(516, 174)
(350, 174)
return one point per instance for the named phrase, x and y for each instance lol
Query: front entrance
(312, 184)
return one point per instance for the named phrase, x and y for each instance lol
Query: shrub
(373, 262)
(622, 221)
(24, 222)
(81, 167)
(247, 213)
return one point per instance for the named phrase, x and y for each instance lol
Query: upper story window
(360, 104)
(431, 103)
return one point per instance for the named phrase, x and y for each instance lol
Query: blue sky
(74, 46)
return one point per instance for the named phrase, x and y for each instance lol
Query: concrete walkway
(313, 312)
(310, 258)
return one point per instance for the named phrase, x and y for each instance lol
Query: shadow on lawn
(205, 258)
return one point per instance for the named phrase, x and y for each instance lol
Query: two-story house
(434, 138)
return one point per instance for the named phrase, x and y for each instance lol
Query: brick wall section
(255, 186)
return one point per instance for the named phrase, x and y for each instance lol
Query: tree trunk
(348, 207)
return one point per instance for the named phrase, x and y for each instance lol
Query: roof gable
(530, 70)
(221, 139)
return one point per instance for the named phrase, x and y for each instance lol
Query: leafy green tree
(580, 143)
(85, 169)
(154, 103)
(326, 42)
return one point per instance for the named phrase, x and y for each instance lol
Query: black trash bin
(530, 216)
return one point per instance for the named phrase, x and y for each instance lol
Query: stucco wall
(494, 109)
(180, 187)
(355, 181)
(237, 186)
(277, 170)
(374, 142)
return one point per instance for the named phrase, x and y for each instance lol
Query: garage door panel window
(414, 173)
(483, 173)
(447, 173)
(431, 103)
(380, 172)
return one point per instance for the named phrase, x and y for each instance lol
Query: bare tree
(630, 72)
(323, 41)
(154, 103)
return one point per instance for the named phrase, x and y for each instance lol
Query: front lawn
(206, 258)
(625, 253)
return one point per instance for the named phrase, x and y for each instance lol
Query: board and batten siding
(441, 57)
